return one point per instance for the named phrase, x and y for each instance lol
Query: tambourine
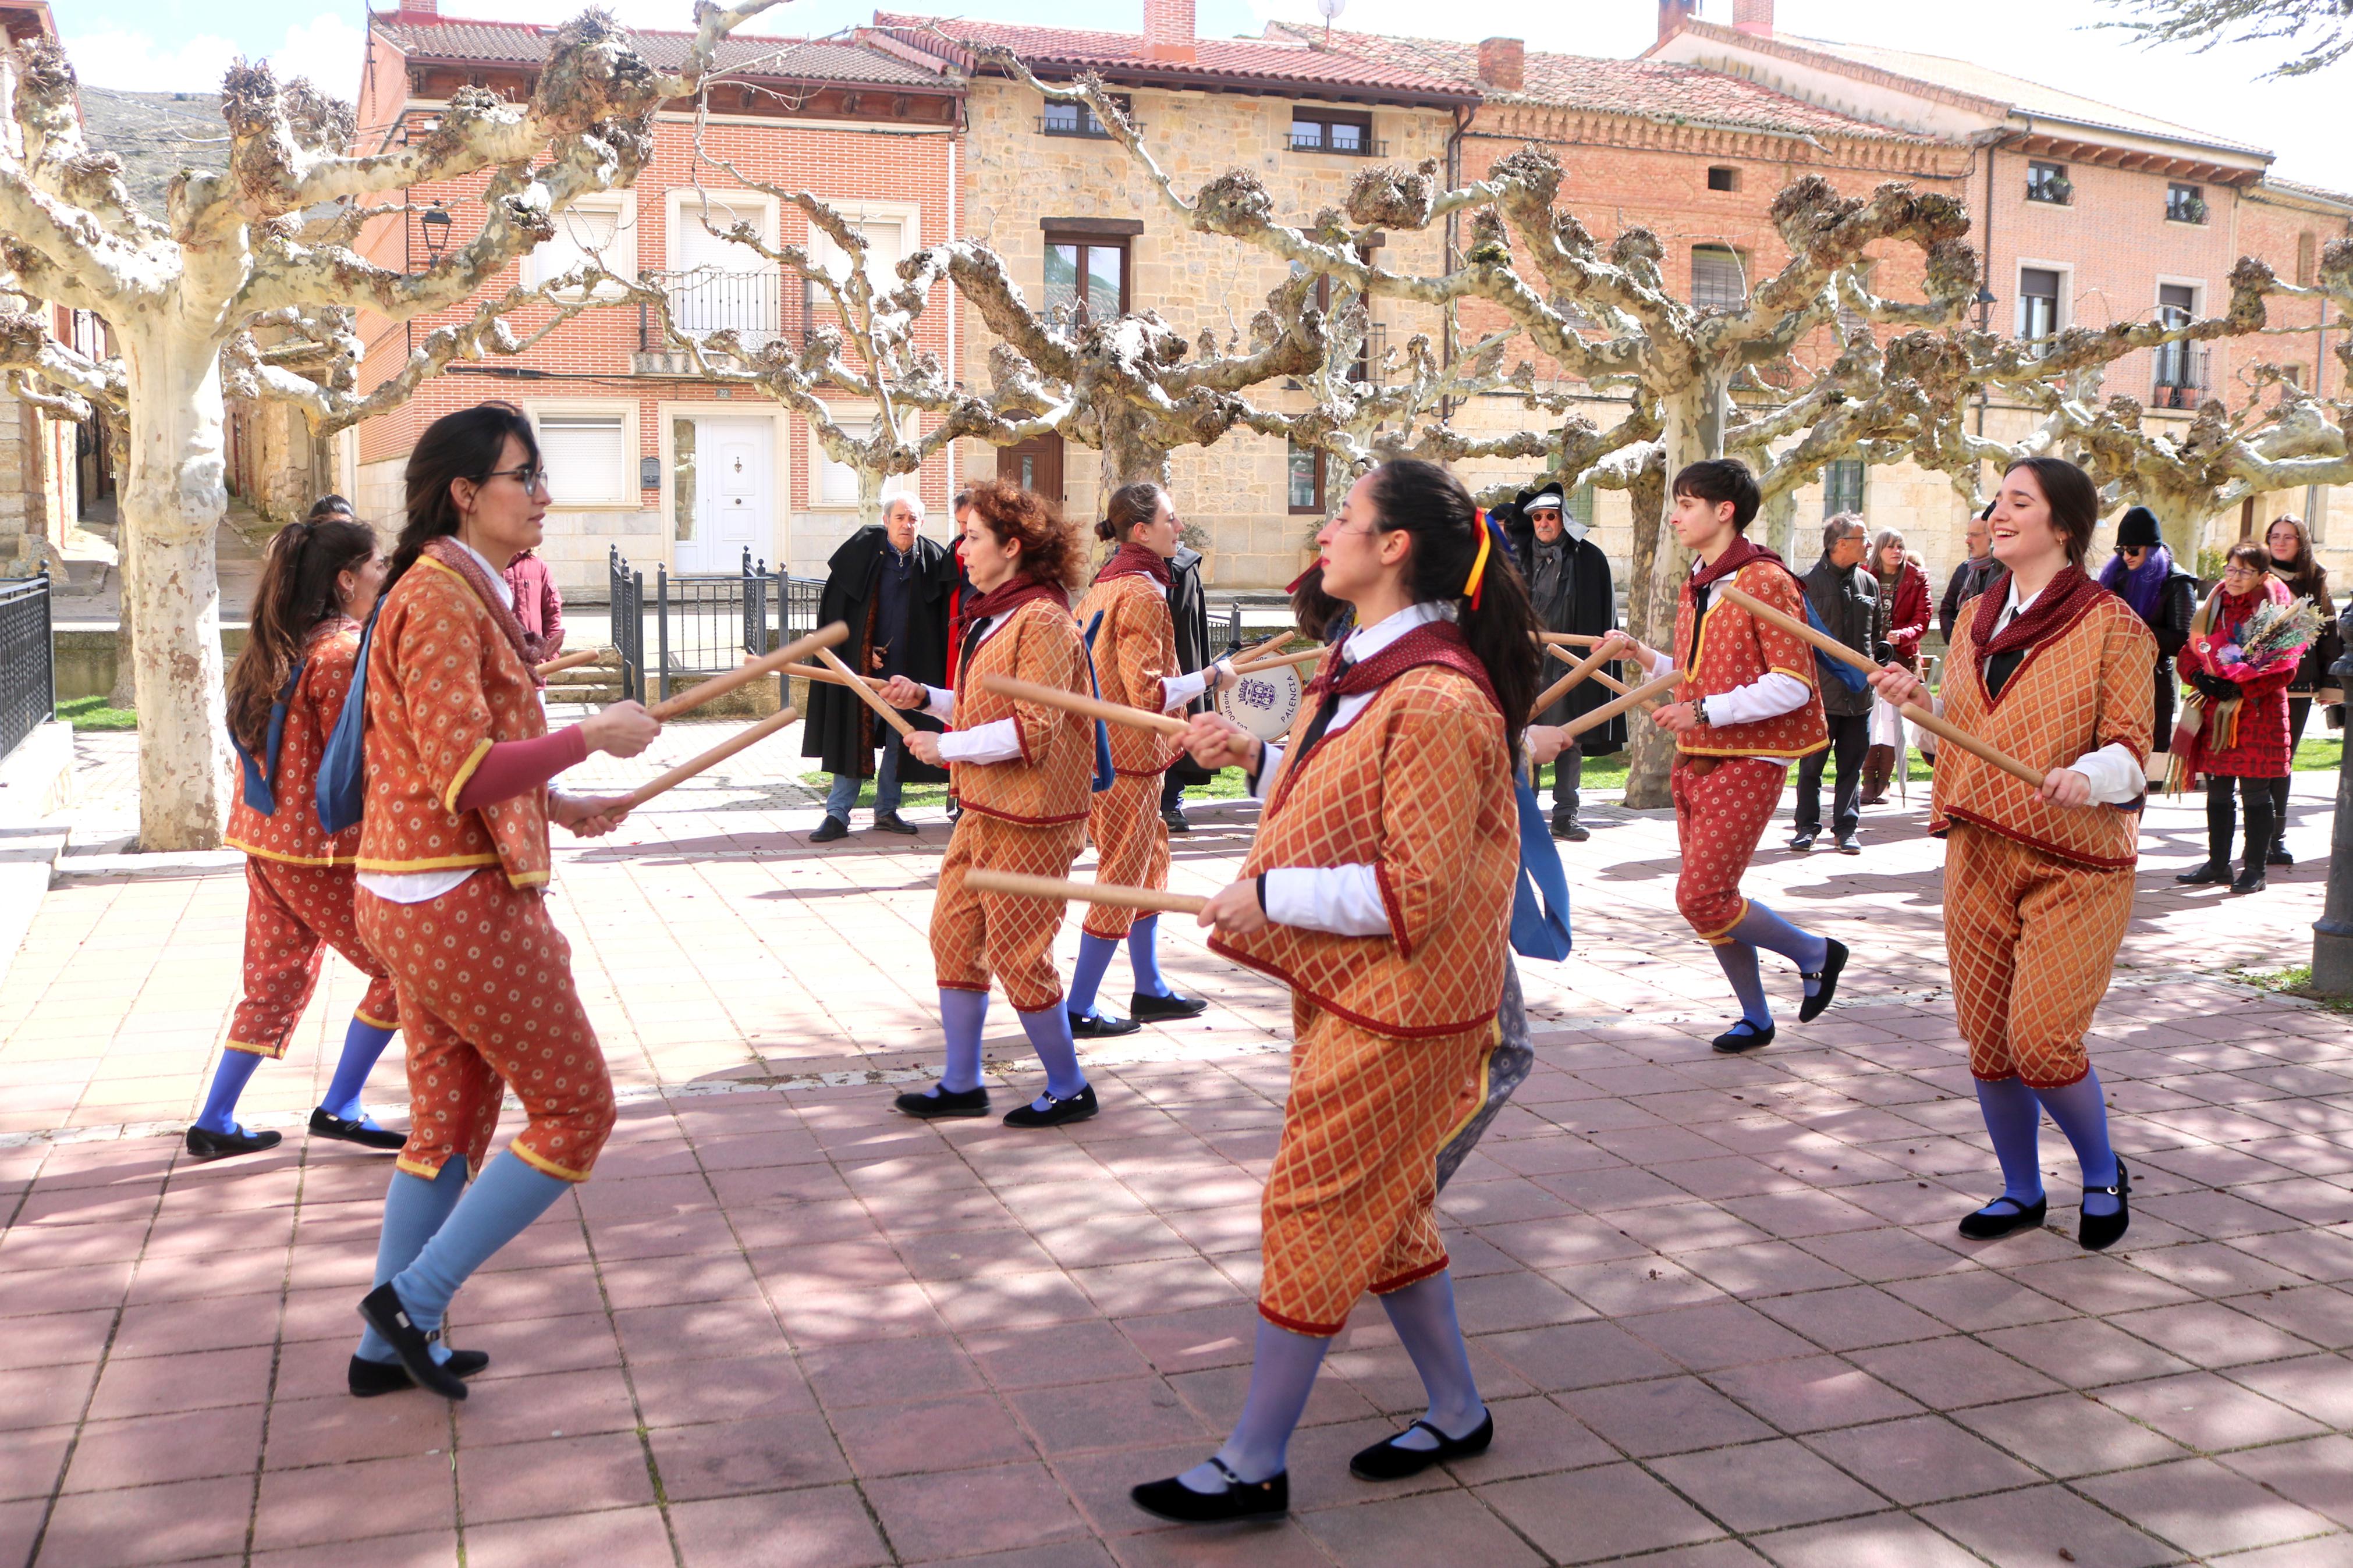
(1265, 702)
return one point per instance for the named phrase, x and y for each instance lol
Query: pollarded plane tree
(235, 248)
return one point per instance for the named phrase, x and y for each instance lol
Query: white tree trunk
(1693, 431)
(2183, 520)
(172, 498)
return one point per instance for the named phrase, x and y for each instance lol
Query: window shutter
(588, 457)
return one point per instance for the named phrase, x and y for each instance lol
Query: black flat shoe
(350, 1132)
(1078, 1107)
(891, 822)
(1744, 1036)
(2201, 875)
(1825, 980)
(370, 1378)
(1986, 1224)
(830, 829)
(1175, 819)
(2279, 857)
(2250, 880)
(1172, 1498)
(2097, 1232)
(1387, 1462)
(382, 1308)
(943, 1103)
(206, 1145)
(1157, 1009)
(1101, 1027)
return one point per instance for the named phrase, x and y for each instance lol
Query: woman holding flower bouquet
(2241, 655)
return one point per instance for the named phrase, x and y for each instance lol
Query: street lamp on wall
(435, 221)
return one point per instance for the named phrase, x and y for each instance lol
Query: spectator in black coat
(1845, 595)
(1970, 578)
(1188, 607)
(2144, 573)
(1568, 583)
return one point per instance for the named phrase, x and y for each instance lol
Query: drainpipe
(1453, 234)
(952, 311)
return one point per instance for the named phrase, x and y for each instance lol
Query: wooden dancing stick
(1126, 897)
(819, 673)
(1569, 640)
(569, 661)
(1093, 707)
(1260, 650)
(856, 684)
(1936, 724)
(1568, 683)
(1309, 657)
(710, 759)
(768, 664)
(1569, 659)
(1617, 705)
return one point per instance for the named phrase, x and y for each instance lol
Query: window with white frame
(588, 231)
(590, 454)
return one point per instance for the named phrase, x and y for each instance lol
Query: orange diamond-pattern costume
(1390, 1031)
(1131, 847)
(1720, 815)
(2037, 895)
(483, 976)
(1134, 649)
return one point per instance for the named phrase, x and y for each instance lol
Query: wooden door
(1034, 465)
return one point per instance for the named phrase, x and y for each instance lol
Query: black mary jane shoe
(382, 1309)
(1101, 1027)
(2098, 1232)
(943, 1103)
(1744, 1036)
(2201, 875)
(206, 1145)
(368, 1379)
(891, 822)
(2250, 880)
(1078, 1107)
(1825, 980)
(1388, 1462)
(1172, 1498)
(1160, 1009)
(349, 1131)
(1987, 1225)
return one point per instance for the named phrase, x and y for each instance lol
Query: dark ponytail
(297, 592)
(466, 445)
(1130, 504)
(1425, 502)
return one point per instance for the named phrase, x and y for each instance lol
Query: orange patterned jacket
(447, 678)
(1136, 646)
(1735, 649)
(293, 835)
(1054, 779)
(1419, 786)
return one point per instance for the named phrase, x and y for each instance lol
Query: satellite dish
(1328, 9)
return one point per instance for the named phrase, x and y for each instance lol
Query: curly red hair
(1052, 550)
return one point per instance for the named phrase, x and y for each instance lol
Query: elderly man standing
(1970, 577)
(1845, 595)
(893, 587)
(1569, 584)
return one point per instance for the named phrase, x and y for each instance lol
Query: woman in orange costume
(1135, 641)
(454, 865)
(1379, 889)
(285, 693)
(1024, 773)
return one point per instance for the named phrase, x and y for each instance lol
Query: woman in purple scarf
(2143, 575)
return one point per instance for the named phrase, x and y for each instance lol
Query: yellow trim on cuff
(273, 1053)
(445, 863)
(257, 851)
(465, 771)
(375, 1022)
(542, 1162)
(1805, 675)
(403, 1162)
(528, 880)
(1717, 938)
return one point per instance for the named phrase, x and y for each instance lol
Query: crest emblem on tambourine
(1265, 702)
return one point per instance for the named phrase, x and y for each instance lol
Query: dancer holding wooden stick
(1136, 664)
(1379, 889)
(1023, 772)
(2052, 669)
(1751, 705)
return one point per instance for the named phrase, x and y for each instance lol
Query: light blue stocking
(1283, 1374)
(1095, 958)
(414, 1208)
(2015, 1120)
(219, 1114)
(1760, 927)
(1143, 957)
(1422, 1313)
(1049, 1029)
(499, 1206)
(962, 1014)
(2082, 1113)
(363, 1043)
(1739, 961)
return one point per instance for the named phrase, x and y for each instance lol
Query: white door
(726, 465)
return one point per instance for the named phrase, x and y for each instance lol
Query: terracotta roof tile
(520, 43)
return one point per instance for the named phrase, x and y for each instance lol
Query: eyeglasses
(529, 476)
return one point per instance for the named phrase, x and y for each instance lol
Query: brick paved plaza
(1718, 1306)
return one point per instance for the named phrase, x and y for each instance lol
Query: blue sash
(342, 765)
(1540, 902)
(261, 774)
(1104, 775)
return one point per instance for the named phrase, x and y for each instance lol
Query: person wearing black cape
(892, 586)
(1568, 583)
(1188, 607)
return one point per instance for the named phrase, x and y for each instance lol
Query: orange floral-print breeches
(487, 1003)
(1131, 847)
(2032, 941)
(1720, 815)
(1350, 1203)
(975, 935)
(292, 915)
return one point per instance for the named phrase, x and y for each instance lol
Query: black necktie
(971, 643)
(1323, 711)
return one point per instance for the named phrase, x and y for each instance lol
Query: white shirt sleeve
(999, 740)
(2117, 776)
(1343, 899)
(939, 703)
(1767, 697)
(1270, 761)
(1659, 662)
(1176, 691)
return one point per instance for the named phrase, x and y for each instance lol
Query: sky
(185, 45)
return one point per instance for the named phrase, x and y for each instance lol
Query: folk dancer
(2051, 669)
(453, 868)
(1379, 889)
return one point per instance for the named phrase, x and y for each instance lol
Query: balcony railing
(1087, 126)
(2180, 377)
(1365, 148)
(705, 301)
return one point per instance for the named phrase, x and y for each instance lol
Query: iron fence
(28, 680)
(2180, 376)
(703, 622)
(625, 596)
(706, 300)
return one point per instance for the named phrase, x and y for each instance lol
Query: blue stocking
(1760, 927)
(1095, 958)
(1283, 1374)
(962, 1014)
(1739, 961)
(363, 1043)
(1144, 956)
(219, 1114)
(414, 1208)
(497, 1208)
(2015, 1120)
(1422, 1313)
(1049, 1029)
(2083, 1115)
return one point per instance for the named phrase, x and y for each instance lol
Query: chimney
(1753, 17)
(1673, 14)
(1503, 64)
(1168, 30)
(419, 8)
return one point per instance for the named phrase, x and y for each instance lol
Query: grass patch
(2293, 981)
(92, 713)
(2318, 755)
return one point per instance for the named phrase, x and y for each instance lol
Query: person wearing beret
(1568, 583)
(2142, 573)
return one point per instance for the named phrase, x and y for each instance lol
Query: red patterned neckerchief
(1133, 560)
(1003, 600)
(1736, 554)
(2064, 600)
(448, 551)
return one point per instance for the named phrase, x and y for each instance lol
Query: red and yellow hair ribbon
(1476, 583)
